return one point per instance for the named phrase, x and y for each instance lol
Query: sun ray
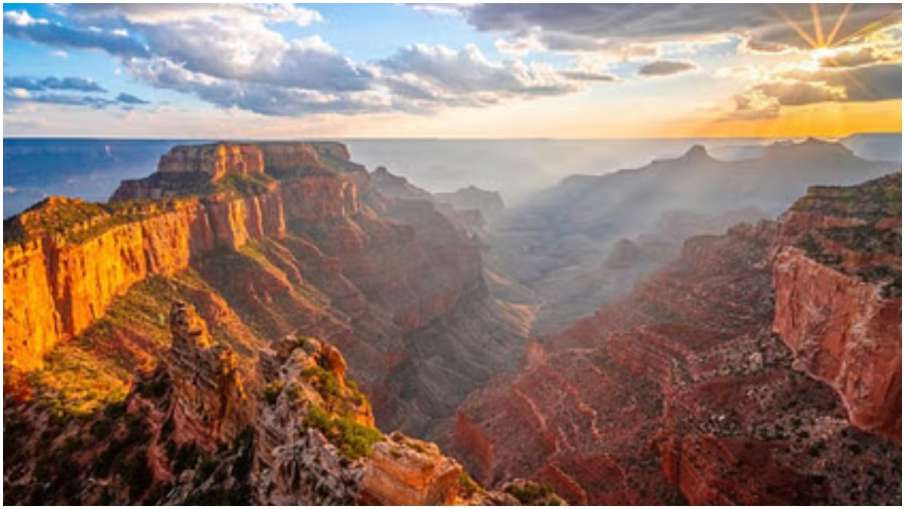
(818, 24)
(873, 25)
(839, 21)
(795, 26)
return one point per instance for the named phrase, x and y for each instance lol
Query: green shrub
(355, 440)
(467, 485)
(272, 391)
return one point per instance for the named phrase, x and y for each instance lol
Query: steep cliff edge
(682, 391)
(305, 247)
(838, 288)
(214, 425)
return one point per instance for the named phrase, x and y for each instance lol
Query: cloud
(858, 56)
(125, 98)
(796, 93)
(439, 9)
(766, 27)
(468, 71)
(15, 96)
(9, 190)
(52, 83)
(865, 83)
(580, 75)
(21, 25)
(233, 56)
(666, 68)
(260, 98)
(153, 14)
(800, 87)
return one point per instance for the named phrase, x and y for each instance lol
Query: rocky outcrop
(405, 471)
(838, 290)
(306, 248)
(217, 160)
(682, 392)
(488, 203)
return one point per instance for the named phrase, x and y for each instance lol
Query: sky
(451, 71)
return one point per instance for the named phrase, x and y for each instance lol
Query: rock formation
(838, 291)
(682, 392)
(217, 161)
(151, 318)
(488, 203)
(280, 425)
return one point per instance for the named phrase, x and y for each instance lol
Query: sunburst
(822, 45)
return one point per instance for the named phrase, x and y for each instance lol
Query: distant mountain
(34, 168)
(556, 242)
(876, 146)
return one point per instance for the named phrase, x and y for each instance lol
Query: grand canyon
(452, 254)
(241, 325)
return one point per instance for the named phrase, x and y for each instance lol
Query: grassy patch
(354, 440)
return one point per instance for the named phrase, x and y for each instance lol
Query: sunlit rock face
(838, 292)
(218, 160)
(155, 320)
(684, 392)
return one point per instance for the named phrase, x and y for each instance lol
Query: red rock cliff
(837, 277)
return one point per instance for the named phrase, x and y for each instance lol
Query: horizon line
(436, 138)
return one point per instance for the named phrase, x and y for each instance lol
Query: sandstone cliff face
(306, 248)
(838, 292)
(218, 160)
(683, 392)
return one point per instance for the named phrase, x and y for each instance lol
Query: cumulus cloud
(665, 68)
(468, 71)
(21, 25)
(233, 57)
(260, 98)
(858, 56)
(865, 83)
(797, 87)
(52, 83)
(766, 27)
(796, 93)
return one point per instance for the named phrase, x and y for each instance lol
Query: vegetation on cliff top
(76, 220)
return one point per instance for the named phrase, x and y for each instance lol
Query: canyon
(239, 326)
(260, 242)
(763, 366)
(554, 243)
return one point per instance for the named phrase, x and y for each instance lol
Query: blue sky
(459, 71)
